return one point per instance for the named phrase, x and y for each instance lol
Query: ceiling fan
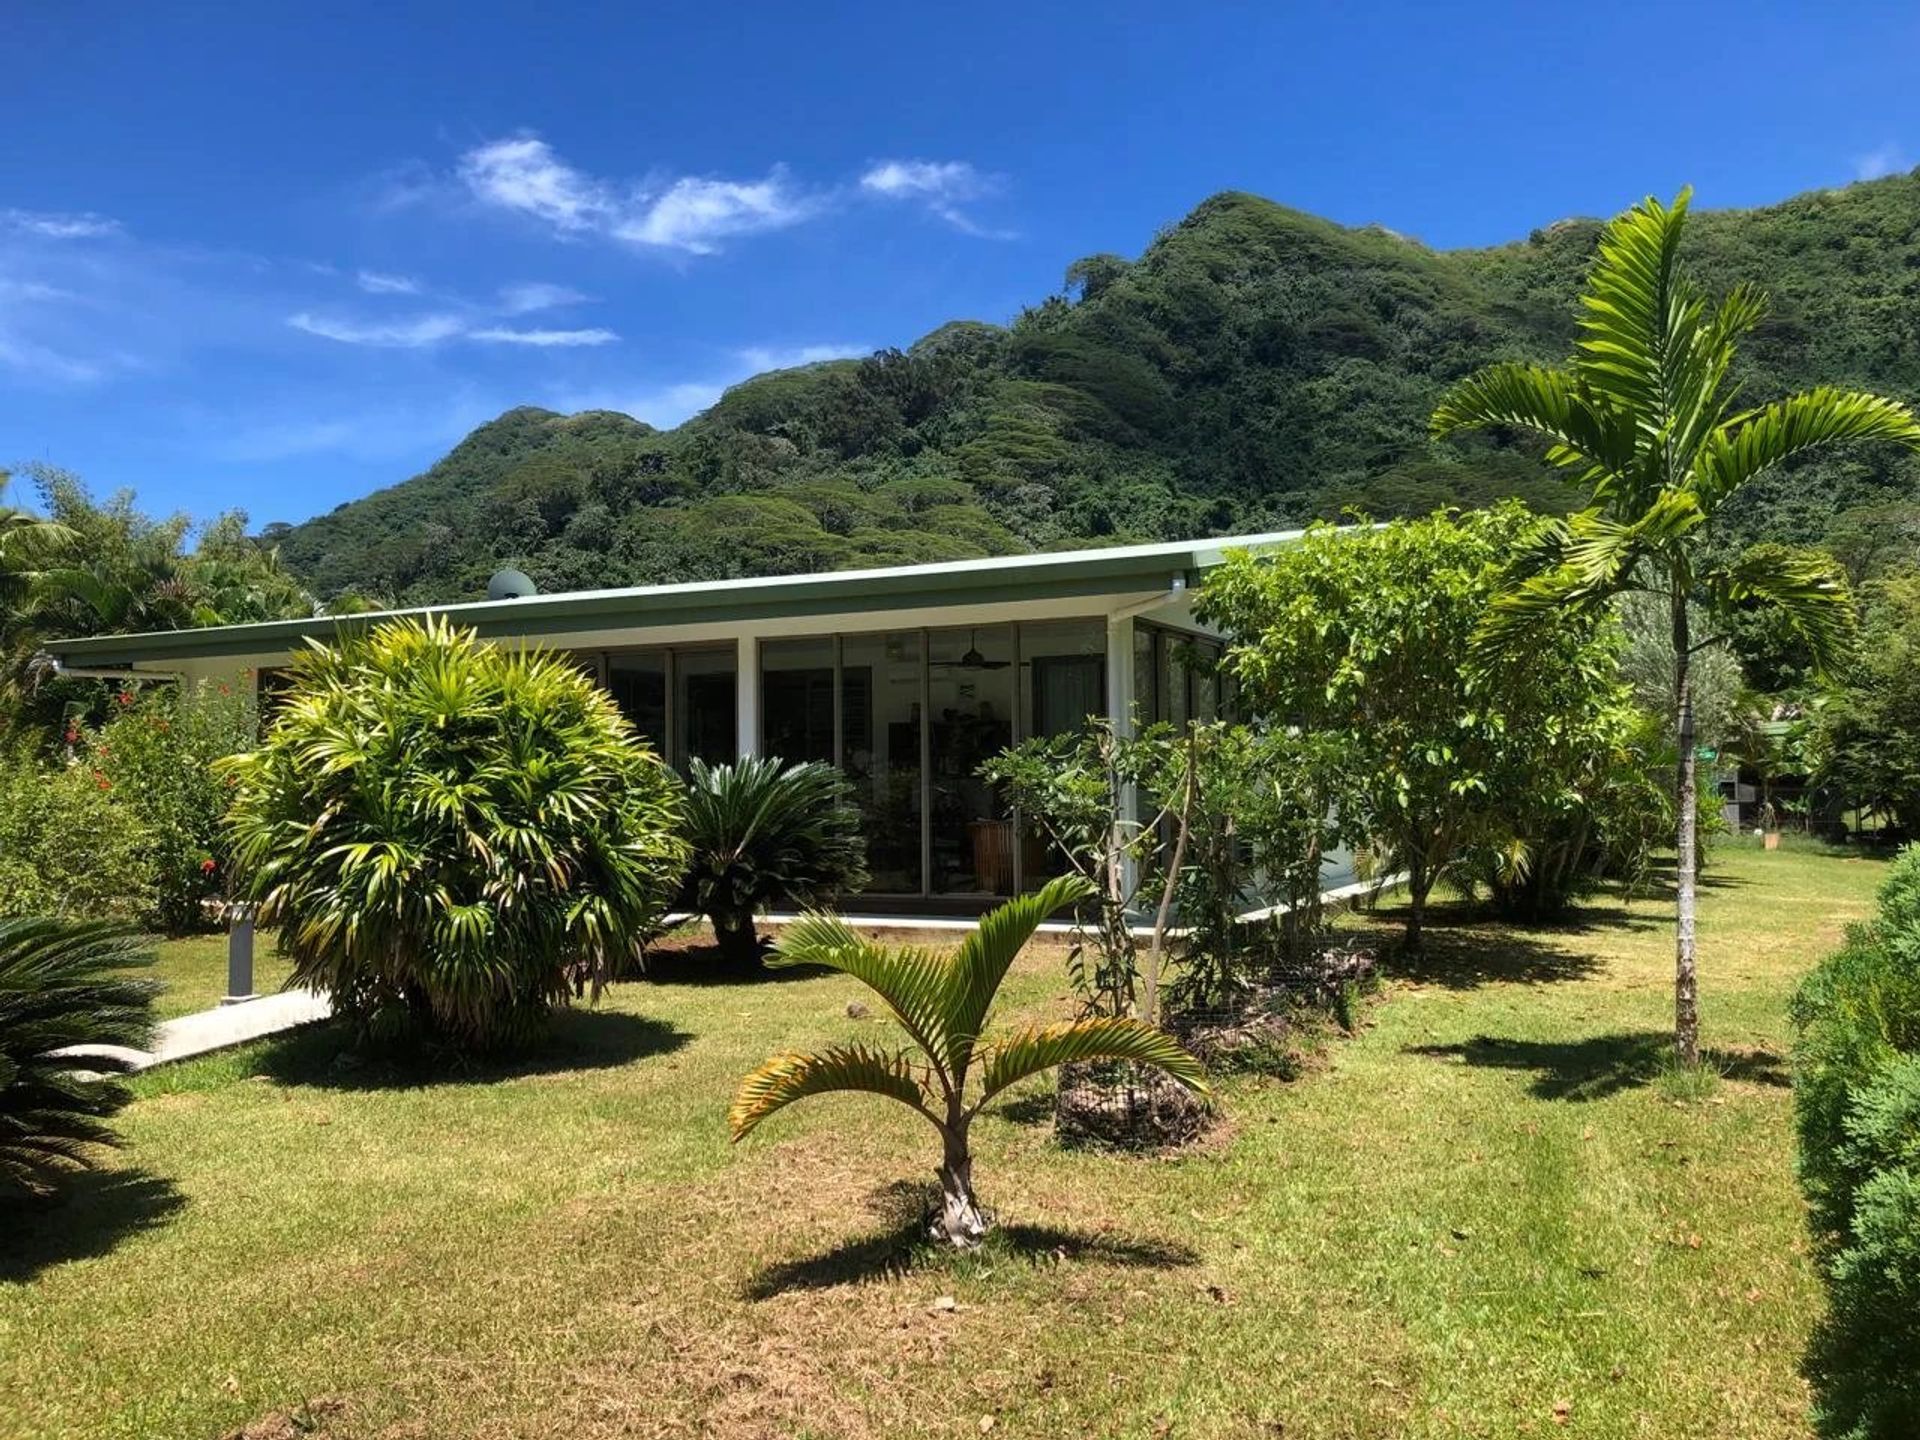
(972, 659)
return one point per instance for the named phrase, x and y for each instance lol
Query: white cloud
(1888, 159)
(942, 186)
(411, 334)
(777, 357)
(32, 290)
(536, 295)
(40, 363)
(375, 283)
(665, 406)
(50, 225)
(691, 213)
(423, 331)
(543, 338)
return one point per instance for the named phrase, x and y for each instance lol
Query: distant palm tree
(63, 982)
(1644, 419)
(943, 1002)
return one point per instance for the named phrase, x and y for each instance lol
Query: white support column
(1120, 695)
(1120, 700)
(746, 690)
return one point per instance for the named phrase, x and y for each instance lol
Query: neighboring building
(906, 678)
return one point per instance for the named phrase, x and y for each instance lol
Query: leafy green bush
(763, 832)
(63, 982)
(451, 837)
(69, 844)
(1857, 1101)
(158, 752)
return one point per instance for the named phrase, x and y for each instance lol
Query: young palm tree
(63, 982)
(764, 833)
(943, 1003)
(1644, 418)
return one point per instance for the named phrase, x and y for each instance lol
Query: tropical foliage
(945, 1005)
(1253, 369)
(1865, 735)
(1645, 421)
(156, 751)
(1364, 634)
(62, 983)
(451, 837)
(70, 843)
(763, 833)
(1857, 1098)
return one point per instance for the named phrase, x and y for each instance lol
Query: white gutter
(96, 672)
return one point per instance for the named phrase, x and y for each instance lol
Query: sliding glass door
(882, 699)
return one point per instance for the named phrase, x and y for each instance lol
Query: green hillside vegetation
(1256, 367)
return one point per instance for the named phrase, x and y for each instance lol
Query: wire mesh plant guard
(1128, 1107)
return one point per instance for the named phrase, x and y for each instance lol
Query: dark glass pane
(971, 697)
(638, 684)
(880, 752)
(704, 715)
(796, 699)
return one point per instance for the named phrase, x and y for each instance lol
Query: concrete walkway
(209, 1030)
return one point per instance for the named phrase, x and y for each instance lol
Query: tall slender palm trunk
(1686, 998)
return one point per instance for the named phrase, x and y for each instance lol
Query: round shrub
(69, 842)
(450, 836)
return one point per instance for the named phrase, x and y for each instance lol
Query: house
(906, 678)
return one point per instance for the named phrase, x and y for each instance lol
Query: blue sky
(257, 260)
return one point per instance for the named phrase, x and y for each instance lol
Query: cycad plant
(452, 836)
(62, 983)
(764, 833)
(1645, 420)
(944, 1003)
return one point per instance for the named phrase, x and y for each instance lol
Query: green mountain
(1254, 368)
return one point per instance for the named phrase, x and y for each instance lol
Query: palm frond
(982, 961)
(1632, 300)
(857, 1068)
(914, 983)
(1807, 592)
(1042, 1047)
(1736, 451)
(1585, 437)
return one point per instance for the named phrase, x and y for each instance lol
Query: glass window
(970, 685)
(880, 697)
(796, 699)
(703, 711)
(638, 684)
(1146, 705)
(1065, 666)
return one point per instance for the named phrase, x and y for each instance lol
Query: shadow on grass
(93, 1213)
(1035, 1107)
(705, 965)
(576, 1039)
(1601, 1065)
(1464, 952)
(903, 1246)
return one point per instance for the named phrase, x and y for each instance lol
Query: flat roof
(1045, 575)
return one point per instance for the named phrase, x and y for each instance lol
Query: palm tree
(62, 983)
(1644, 418)
(943, 1003)
(767, 833)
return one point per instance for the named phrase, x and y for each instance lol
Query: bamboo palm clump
(63, 983)
(944, 1003)
(451, 837)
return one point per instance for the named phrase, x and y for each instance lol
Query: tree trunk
(959, 1222)
(738, 941)
(1418, 884)
(1686, 1000)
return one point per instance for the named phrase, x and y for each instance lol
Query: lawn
(1482, 1217)
(193, 973)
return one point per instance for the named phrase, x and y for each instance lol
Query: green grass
(193, 973)
(1485, 1206)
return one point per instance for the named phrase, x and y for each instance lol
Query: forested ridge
(1254, 368)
